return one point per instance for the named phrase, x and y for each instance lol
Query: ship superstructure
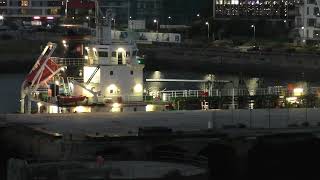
(110, 77)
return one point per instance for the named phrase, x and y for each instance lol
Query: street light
(114, 23)
(198, 15)
(169, 18)
(1, 17)
(157, 22)
(254, 31)
(207, 23)
(303, 40)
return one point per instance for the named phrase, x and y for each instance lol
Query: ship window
(131, 72)
(127, 54)
(111, 73)
(114, 54)
(103, 54)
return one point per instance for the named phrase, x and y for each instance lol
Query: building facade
(269, 9)
(47, 9)
(308, 20)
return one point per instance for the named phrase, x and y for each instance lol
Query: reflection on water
(10, 92)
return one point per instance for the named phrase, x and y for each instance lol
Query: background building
(26, 9)
(308, 21)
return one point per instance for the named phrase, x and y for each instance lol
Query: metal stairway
(92, 75)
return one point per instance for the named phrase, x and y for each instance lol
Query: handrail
(70, 61)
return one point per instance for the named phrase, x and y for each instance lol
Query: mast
(103, 25)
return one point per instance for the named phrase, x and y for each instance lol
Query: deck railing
(70, 61)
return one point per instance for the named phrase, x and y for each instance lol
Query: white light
(82, 109)
(302, 27)
(130, 17)
(87, 48)
(39, 104)
(155, 21)
(57, 82)
(252, 26)
(94, 49)
(86, 57)
(298, 91)
(1, 17)
(285, 21)
(64, 41)
(198, 15)
(150, 108)
(72, 17)
(138, 88)
(169, 17)
(50, 17)
(112, 89)
(120, 50)
(87, 17)
(207, 23)
(36, 17)
(116, 105)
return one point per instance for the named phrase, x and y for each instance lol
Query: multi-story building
(28, 9)
(308, 20)
(268, 9)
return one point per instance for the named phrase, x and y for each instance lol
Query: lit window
(24, 3)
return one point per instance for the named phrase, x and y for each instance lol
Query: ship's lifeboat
(70, 99)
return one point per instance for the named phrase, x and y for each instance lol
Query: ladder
(92, 75)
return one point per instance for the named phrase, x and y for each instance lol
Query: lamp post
(254, 31)
(156, 22)
(169, 19)
(114, 23)
(207, 23)
(1, 19)
(303, 40)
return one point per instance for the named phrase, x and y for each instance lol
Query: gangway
(92, 75)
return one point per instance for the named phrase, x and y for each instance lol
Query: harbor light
(1, 17)
(82, 109)
(150, 108)
(138, 88)
(297, 91)
(120, 49)
(116, 105)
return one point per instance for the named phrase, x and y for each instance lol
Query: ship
(109, 78)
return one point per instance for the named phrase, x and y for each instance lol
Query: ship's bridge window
(127, 54)
(103, 54)
(114, 54)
